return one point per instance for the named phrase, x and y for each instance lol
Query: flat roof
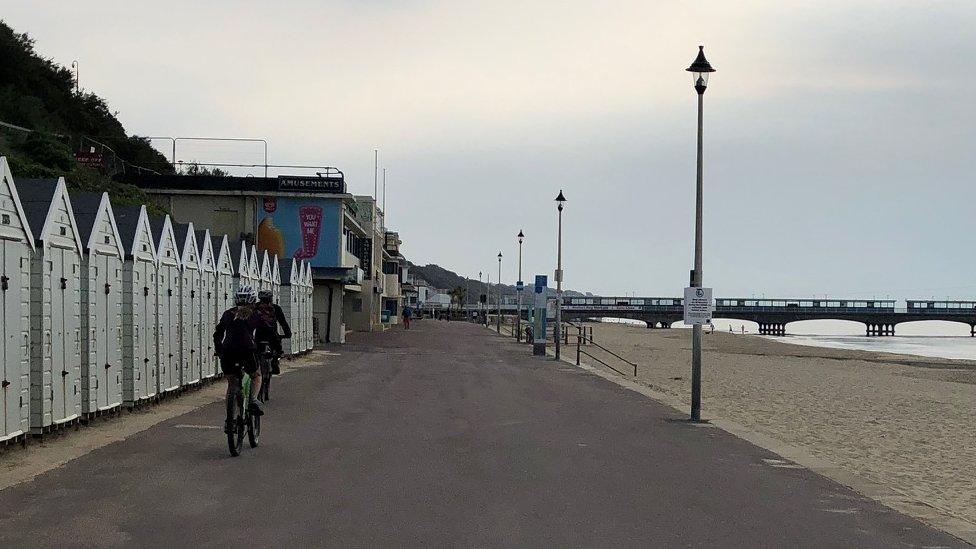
(230, 185)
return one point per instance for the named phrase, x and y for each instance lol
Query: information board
(698, 305)
(539, 315)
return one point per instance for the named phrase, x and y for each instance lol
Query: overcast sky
(839, 135)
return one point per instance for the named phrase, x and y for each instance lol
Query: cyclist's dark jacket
(271, 316)
(236, 329)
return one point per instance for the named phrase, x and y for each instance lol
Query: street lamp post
(518, 293)
(480, 287)
(700, 69)
(557, 329)
(498, 317)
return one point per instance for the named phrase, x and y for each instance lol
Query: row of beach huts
(105, 306)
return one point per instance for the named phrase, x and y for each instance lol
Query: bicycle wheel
(265, 393)
(235, 438)
(253, 430)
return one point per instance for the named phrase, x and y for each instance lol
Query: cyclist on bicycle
(271, 317)
(235, 345)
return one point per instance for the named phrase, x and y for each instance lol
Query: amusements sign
(306, 229)
(311, 184)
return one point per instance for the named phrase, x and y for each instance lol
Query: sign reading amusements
(698, 305)
(334, 185)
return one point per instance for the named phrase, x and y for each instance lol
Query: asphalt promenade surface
(445, 435)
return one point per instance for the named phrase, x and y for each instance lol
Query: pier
(773, 315)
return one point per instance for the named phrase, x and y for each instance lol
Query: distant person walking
(407, 313)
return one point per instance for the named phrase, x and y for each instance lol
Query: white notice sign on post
(698, 305)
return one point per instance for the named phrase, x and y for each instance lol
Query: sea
(930, 338)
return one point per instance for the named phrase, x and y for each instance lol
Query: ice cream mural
(303, 229)
(310, 221)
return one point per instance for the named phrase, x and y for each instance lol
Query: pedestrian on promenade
(407, 313)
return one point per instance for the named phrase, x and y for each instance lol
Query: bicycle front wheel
(235, 438)
(253, 430)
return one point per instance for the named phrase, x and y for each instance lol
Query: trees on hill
(45, 121)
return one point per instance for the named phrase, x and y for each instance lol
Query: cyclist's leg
(250, 366)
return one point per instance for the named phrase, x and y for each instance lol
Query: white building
(140, 356)
(55, 310)
(224, 280)
(101, 303)
(168, 303)
(191, 363)
(208, 303)
(16, 248)
(290, 302)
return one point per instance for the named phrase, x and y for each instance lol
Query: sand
(907, 423)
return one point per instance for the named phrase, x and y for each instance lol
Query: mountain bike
(243, 420)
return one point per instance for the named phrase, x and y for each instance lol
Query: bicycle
(243, 420)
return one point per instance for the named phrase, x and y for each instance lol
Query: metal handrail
(581, 337)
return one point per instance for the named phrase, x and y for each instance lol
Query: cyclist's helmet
(244, 295)
(264, 296)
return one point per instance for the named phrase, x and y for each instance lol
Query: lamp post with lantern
(557, 329)
(700, 70)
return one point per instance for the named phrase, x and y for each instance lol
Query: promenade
(445, 435)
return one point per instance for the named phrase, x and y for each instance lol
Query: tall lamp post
(480, 287)
(519, 285)
(557, 329)
(700, 70)
(498, 317)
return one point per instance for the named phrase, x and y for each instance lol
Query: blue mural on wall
(303, 228)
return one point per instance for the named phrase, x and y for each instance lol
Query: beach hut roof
(130, 220)
(39, 198)
(10, 189)
(90, 209)
(287, 271)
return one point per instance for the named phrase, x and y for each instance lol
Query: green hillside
(44, 122)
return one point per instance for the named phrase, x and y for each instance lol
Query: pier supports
(883, 329)
(655, 324)
(776, 328)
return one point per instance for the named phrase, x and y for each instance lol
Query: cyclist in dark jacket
(271, 317)
(234, 344)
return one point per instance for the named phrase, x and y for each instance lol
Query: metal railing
(582, 339)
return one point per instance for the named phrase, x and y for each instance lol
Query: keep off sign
(698, 305)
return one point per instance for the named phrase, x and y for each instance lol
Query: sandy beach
(905, 422)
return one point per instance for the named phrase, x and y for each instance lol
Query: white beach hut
(208, 303)
(305, 307)
(289, 301)
(140, 358)
(265, 271)
(16, 248)
(309, 322)
(55, 310)
(224, 283)
(254, 266)
(101, 303)
(275, 279)
(168, 303)
(242, 266)
(191, 364)
(298, 288)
